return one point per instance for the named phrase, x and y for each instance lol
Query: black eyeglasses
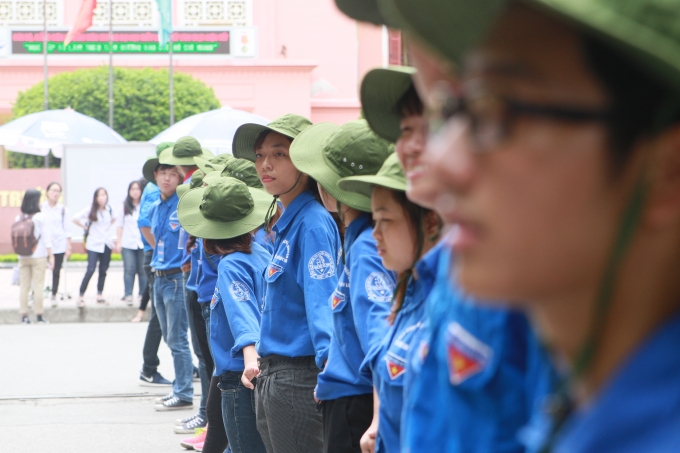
(490, 116)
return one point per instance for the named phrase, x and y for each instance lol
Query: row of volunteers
(504, 281)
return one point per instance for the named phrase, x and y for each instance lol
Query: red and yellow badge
(273, 269)
(336, 299)
(467, 356)
(394, 369)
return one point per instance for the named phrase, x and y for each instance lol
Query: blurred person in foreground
(558, 150)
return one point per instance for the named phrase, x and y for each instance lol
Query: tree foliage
(140, 97)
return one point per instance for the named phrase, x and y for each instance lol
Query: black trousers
(152, 341)
(56, 272)
(345, 420)
(216, 439)
(104, 260)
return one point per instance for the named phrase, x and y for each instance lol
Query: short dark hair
(31, 202)
(161, 167)
(410, 103)
(240, 243)
(636, 97)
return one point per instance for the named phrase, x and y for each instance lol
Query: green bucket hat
(224, 209)
(246, 135)
(163, 145)
(184, 151)
(152, 162)
(241, 169)
(381, 91)
(362, 10)
(208, 166)
(390, 175)
(196, 181)
(328, 152)
(643, 30)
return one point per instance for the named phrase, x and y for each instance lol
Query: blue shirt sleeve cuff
(243, 340)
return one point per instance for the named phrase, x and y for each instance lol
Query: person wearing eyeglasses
(558, 150)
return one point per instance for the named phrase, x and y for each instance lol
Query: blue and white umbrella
(214, 129)
(39, 132)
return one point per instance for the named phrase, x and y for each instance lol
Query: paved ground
(73, 388)
(67, 311)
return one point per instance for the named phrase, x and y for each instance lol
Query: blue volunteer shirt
(235, 307)
(265, 240)
(207, 276)
(195, 272)
(478, 372)
(638, 410)
(360, 313)
(389, 361)
(296, 320)
(150, 194)
(165, 229)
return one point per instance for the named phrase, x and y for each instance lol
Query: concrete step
(73, 314)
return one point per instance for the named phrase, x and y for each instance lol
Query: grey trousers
(287, 415)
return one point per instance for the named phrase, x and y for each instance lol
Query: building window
(30, 12)
(232, 13)
(398, 52)
(136, 13)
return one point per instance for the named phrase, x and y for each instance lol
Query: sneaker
(199, 437)
(40, 320)
(174, 404)
(184, 421)
(188, 428)
(127, 300)
(198, 446)
(197, 377)
(25, 320)
(54, 301)
(163, 399)
(155, 380)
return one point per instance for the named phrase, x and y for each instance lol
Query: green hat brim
(182, 189)
(193, 222)
(148, 169)
(307, 154)
(206, 166)
(453, 28)
(243, 145)
(188, 161)
(364, 184)
(381, 91)
(362, 10)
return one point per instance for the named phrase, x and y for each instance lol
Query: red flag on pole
(83, 21)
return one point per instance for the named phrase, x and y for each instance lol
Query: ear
(432, 226)
(663, 204)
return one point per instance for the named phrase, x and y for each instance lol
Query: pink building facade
(299, 56)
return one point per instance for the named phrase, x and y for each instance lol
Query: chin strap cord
(272, 207)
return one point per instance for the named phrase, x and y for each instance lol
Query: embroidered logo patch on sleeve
(396, 366)
(273, 269)
(173, 221)
(336, 299)
(239, 291)
(215, 297)
(466, 354)
(321, 265)
(379, 287)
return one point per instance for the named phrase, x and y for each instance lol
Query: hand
(250, 372)
(315, 398)
(367, 441)
(67, 254)
(51, 262)
(118, 248)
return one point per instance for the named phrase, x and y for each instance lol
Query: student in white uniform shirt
(129, 241)
(96, 221)
(57, 215)
(32, 268)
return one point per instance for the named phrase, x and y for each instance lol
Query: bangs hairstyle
(128, 204)
(95, 206)
(263, 136)
(415, 216)
(161, 167)
(224, 247)
(410, 103)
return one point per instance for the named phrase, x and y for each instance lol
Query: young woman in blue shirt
(405, 233)
(300, 278)
(328, 152)
(225, 213)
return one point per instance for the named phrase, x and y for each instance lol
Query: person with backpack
(96, 221)
(129, 242)
(32, 241)
(56, 214)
